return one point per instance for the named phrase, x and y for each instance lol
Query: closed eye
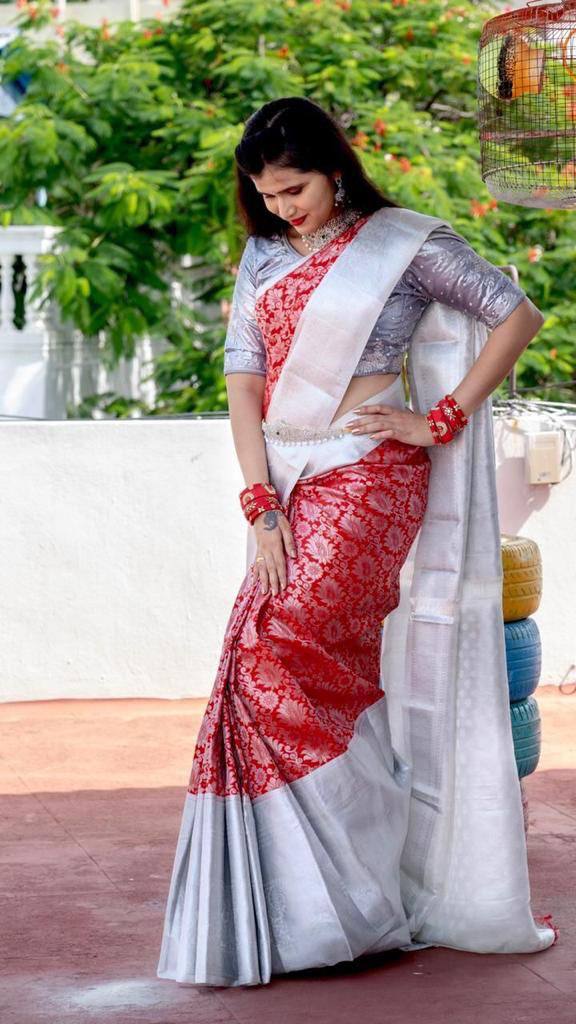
(291, 192)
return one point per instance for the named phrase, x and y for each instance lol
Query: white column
(7, 295)
(33, 314)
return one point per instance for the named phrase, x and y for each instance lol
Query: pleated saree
(353, 787)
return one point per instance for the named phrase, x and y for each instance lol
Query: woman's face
(305, 199)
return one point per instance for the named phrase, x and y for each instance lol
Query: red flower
(405, 164)
(478, 209)
(535, 253)
(159, 31)
(147, 34)
(493, 204)
(284, 51)
(54, 12)
(360, 139)
(553, 353)
(409, 34)
(380, 127)
(377, 145)
(399, 3)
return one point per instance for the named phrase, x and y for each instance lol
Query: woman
(326, 815)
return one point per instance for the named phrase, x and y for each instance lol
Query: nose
(286, 208)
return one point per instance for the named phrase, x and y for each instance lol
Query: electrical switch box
(543, 456)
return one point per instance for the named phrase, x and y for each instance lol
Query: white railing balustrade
(46, 366)
(20, 247)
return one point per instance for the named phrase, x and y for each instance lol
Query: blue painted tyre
(526, 730)
(523, 657)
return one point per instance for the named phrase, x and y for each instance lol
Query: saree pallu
(327, 814)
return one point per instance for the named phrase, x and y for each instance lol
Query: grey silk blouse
(446, 268)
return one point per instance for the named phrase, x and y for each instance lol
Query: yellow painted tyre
(522, 577)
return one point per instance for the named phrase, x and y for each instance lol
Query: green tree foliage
(130, 130)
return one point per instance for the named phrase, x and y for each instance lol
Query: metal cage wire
(527, 105)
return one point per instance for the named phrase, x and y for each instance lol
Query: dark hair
(297, 132)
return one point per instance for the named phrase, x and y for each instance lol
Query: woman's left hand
(386, 421)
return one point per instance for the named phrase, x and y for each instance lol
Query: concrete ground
(90, 801)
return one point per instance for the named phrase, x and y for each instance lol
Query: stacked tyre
(522, 592)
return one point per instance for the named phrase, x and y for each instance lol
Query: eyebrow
(297, 184)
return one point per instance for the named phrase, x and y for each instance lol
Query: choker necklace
(315, 240)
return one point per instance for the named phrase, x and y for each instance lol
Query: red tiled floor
(90, 800)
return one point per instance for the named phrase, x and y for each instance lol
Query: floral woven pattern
(298, 667)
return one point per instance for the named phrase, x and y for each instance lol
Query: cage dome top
(527, 105)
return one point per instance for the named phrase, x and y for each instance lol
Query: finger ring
(260, 558)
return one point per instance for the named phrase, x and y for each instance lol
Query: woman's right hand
(274, 540)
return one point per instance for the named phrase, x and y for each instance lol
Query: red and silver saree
(353, 787)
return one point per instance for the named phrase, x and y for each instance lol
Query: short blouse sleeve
(448, 269)
(244, 350)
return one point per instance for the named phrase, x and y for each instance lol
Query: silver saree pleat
(306, 875)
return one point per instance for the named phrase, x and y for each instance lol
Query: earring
(340, 194)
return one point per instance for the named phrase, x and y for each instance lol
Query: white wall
(122, 547)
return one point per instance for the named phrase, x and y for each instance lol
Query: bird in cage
(527, 105)
(520, 68)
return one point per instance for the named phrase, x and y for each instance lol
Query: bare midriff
(360, 389)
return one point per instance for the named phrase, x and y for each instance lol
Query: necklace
(315, 240)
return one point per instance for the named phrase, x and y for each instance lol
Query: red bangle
(450, 403)
(257, 509)
(258, 498)
(441, 430)
(446, 419)
(259, 490)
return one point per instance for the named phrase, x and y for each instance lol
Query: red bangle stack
(259, 498)
(446, 419)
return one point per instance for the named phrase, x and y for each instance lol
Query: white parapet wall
(122, 548)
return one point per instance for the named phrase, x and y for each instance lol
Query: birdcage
(527, 105)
